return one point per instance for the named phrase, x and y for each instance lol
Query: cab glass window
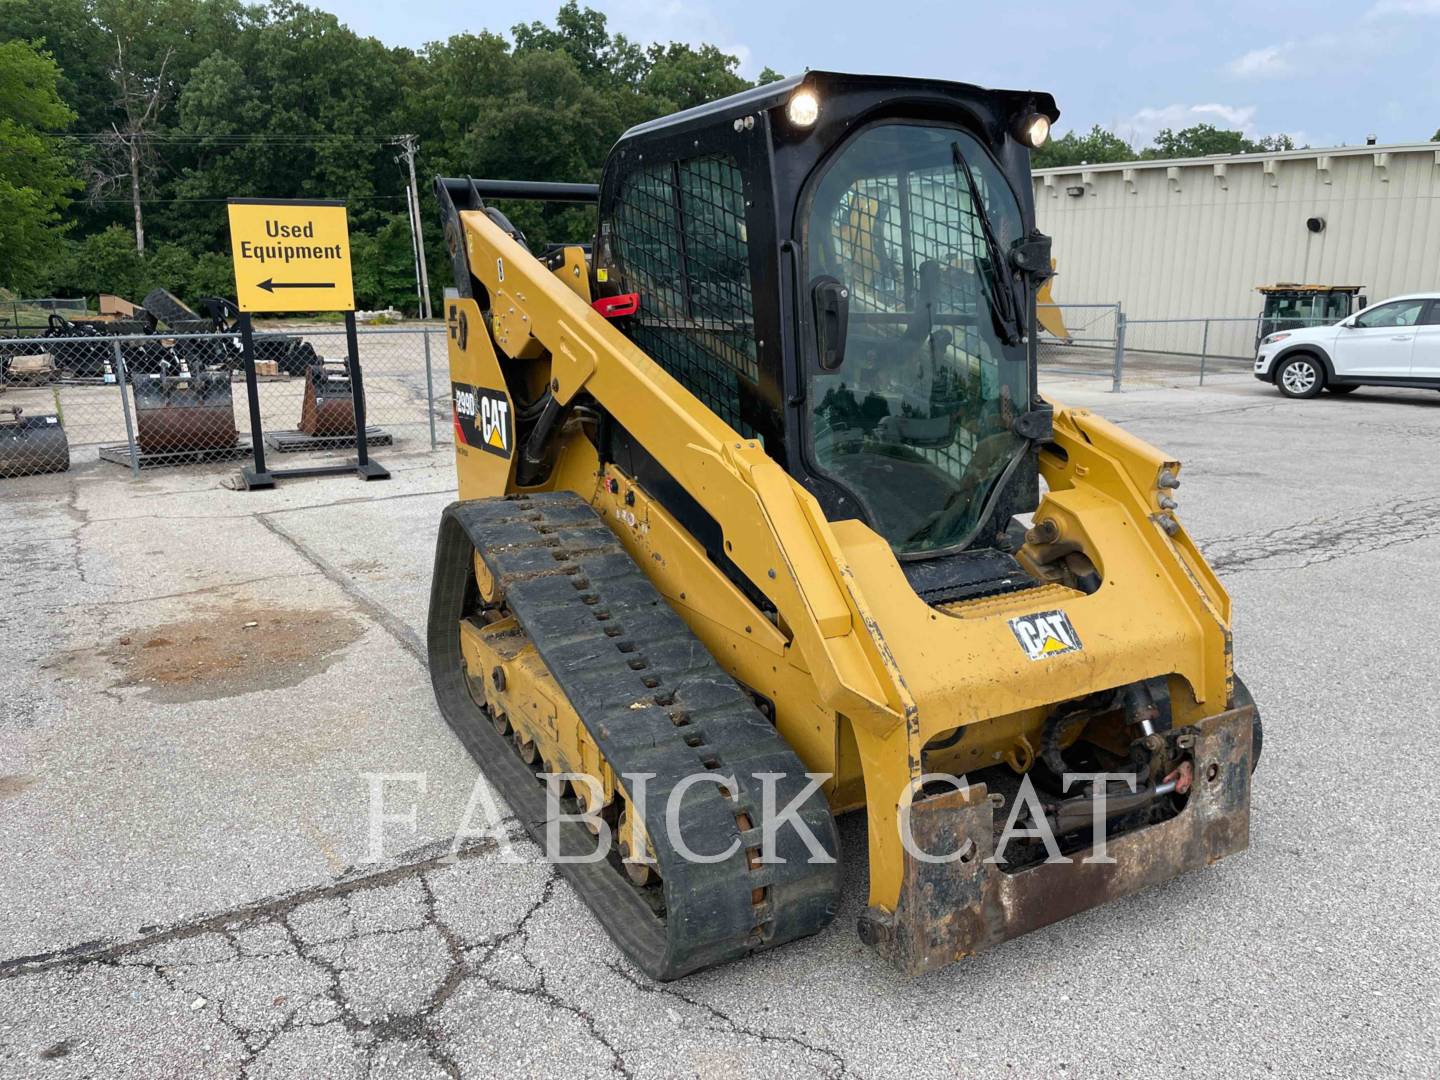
(1400, 313)
(914, 221)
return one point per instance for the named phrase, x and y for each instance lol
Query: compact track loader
(762, 520)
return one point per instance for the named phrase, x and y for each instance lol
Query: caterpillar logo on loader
(482, 418)
(799, 346)
(1047, 634)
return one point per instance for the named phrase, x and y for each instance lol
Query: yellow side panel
(482, 413)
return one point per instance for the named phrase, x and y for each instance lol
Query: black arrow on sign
(270, 284)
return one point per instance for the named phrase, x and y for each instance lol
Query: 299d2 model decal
(482, 419)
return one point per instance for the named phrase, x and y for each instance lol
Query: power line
(237, 139)
(127, 202)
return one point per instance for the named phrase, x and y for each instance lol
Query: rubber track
(655, 701)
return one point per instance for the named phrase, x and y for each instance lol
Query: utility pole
(408, 145)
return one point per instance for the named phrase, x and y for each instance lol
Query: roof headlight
(1033, 130)
(803, 108)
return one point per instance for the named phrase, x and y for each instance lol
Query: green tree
(1095, 147)
(1196, 141)
(154, 45)
(1273, 142)
(685, 76)
(582, 35)
(35, 179)
(66, 29)
(1204, 139)
(385, 266)
(101, 262)
(218, 98)
(299, 107)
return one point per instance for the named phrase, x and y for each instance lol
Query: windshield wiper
(1002, 297)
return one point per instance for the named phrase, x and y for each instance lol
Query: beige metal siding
(1195, 238)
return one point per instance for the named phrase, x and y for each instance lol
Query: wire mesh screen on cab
(678, 238)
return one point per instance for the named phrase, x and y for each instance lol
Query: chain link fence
(1080, 340)
(143, 401)
(1170, 350)
(1103, 341)
(146, 400)
(19, 315)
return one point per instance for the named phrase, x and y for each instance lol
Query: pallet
(119, 454)
(294, 442)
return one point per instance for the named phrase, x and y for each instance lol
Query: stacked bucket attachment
(327, 411)
(184, 414)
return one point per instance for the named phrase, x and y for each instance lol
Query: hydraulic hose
(534, 463)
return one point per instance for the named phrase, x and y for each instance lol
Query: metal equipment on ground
(31, 444)
(327, 409)
(752, 533)
(184, 413)
(29, 369)
(292, 355)
(88, 358)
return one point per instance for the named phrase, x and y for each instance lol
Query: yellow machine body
(860, 672)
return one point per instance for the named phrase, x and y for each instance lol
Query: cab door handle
(1403, 337)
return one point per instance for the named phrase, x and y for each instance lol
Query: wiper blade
(1002, 297)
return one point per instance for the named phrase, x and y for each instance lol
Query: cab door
(1425, 353)
(1378, 342)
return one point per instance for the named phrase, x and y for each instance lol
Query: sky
(1323, 72)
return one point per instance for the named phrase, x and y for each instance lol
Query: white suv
(1393, 343)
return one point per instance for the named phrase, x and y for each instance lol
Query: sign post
(294, 255)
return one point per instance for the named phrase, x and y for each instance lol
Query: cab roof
(773, 94)
(1288, 286)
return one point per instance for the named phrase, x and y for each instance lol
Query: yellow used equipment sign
(291, 255)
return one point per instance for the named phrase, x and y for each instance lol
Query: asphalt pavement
(202, 690)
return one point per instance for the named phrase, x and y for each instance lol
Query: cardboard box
(116, 305)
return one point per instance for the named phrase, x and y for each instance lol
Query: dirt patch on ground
(235, 651)
(11, 786)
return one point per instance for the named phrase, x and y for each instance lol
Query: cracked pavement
(188, 887)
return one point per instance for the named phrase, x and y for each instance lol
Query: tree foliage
(1205, 139)
(34, 171)
(1099, 146)
(1095, 147)
(220, 99)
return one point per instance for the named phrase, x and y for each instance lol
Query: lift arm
(774, 530)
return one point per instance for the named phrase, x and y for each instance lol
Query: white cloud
(1141, 127)
(1264, 63)
(1404, 7)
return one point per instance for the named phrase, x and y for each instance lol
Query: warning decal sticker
(1045, 634)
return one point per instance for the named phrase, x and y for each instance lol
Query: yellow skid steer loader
(763, 520)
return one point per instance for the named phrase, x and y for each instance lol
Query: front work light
(1033, 130)
(803, 108)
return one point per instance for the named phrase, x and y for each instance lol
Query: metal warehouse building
(1195, 236)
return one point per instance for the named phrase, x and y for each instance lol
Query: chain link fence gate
(1085, 340)
(143, 401)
